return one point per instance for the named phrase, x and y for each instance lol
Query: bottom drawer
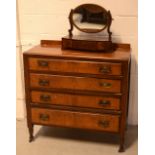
(102, 122)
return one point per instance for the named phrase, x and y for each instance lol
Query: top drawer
(74, 66)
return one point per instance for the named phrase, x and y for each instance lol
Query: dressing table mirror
(80, 82)
(92, 19)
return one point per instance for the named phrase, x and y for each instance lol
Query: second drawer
(75, 100)
(74, 83)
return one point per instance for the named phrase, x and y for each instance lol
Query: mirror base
(87, 44)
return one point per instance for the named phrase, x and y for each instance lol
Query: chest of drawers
(76, 89)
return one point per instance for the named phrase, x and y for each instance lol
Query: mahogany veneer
(76, 89)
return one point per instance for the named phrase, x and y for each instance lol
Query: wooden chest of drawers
(77, 89)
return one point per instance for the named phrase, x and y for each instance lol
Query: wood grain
(75, 83)
(55, 51)
(68, 88)
(75, 119)
(75, 100)
(86, 67)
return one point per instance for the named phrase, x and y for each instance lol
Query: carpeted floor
(60, 141)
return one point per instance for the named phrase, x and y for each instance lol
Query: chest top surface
(122, 53)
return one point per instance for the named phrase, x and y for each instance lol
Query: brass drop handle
(105, 69)
(104, 102)
(43, 82)
(43, 63)
(44, 117)
(104, 123)
(105, 84)
(45, 97)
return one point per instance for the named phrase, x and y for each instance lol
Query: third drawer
(53, 98)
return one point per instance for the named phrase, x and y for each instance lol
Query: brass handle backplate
(104, 102)
(44, 117)
(45, 97)
(43, 82)
(104, 123)
(43, 63)
(105, 84)
(105, 69)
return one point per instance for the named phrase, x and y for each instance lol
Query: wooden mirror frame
(72, 23)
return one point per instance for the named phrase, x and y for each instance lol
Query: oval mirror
(90, 18)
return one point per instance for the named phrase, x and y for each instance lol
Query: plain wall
(20, 103)
(48, 19)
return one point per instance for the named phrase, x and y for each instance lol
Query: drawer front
(75, 119)
(70, 66)
(74, 83)
(75, 100)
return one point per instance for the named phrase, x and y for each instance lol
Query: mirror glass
(90, 18)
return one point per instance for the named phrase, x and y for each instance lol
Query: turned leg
(31, 133)
(121, 147)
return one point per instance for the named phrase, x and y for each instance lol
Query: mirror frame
(72, 23)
